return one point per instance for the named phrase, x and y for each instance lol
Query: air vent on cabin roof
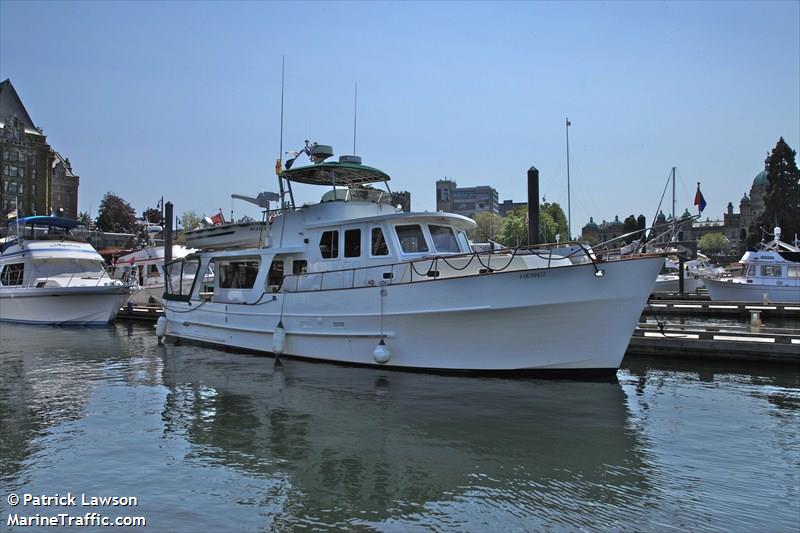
(354, 159)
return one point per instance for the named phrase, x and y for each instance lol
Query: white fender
(279, 338)
(381, 354)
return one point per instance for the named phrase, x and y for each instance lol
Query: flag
(569, 123)
(699, 201)
(278, 163)
(12, 214)
(218, 219)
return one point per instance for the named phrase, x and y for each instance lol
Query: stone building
(735, 226)
(25, 158)
(34, 179)
(465, 201)
(64, 191)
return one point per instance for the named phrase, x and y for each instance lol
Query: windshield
(444, 240)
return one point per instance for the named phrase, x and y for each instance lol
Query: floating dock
(707, 308)
(742, 343)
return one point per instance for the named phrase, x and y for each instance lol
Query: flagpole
(569, 199)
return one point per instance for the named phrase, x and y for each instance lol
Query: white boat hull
(555, 319)
(690, 284)
(62, 305)
(751, 292)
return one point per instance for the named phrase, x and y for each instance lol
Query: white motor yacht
(49, 277)
(770, 274)
(352, 279)
(144, 269)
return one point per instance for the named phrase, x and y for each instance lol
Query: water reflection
(382, 445)
(231, 442)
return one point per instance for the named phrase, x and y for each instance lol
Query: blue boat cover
(58, 222)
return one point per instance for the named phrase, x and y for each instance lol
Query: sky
(182, 99)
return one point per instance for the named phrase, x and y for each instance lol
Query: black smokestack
(533, 206)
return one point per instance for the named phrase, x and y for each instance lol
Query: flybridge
(347, 172)
(342, 174)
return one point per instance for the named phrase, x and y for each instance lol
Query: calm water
(223, 441)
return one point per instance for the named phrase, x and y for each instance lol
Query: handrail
(430, 268)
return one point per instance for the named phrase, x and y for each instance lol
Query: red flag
(699, 201)
(218, 219)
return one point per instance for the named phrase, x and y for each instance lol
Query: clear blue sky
(182, 99)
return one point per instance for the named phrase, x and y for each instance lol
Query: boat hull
(63, 305)
(559, 319)
(751, 292)
(690, 284)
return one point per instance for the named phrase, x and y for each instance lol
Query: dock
(730, 343)
(707, 308)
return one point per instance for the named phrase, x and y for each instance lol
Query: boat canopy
(333, 173)
(57, 222)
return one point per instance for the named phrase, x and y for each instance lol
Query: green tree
(513, 230)
(552, 223)
(713, 243)
(85, 219)
(189, 221)
(115, 215)
(153, 216)
(782, 199)
(488, 226)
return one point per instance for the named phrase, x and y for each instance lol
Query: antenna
(355, 118)
(280, 149)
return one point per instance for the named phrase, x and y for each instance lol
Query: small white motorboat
(49, 277)
(770, 274)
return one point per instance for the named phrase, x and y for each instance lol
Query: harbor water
(205, 439)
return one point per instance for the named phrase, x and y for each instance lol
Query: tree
(115, 215)
(488, 226)
(513, 230)
(557, 222)
(85, 219)
(153, 216)
(630, 225)
(713, 243)
(189, 221)
(782, 199)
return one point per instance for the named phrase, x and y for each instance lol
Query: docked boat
(143, 269)
(352, 279)
(769, 274)
(47, 276)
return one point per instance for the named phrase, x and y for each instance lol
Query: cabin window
(237, 273)
(12, 274)
(750, 271)
(275, 275)
(180, 276)
(411, 238)
(443, 238)
(152, 271)
(793, 271)
(771, 271)
(329, 244)
(299, 266)
(463, 241)
(379, 246)
(352, 243)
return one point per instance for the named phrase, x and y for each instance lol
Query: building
(735, 226)
(64, 191)
(465, 201)
(403, 199)
(34, 179)
(25, 156)
(509, 205)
